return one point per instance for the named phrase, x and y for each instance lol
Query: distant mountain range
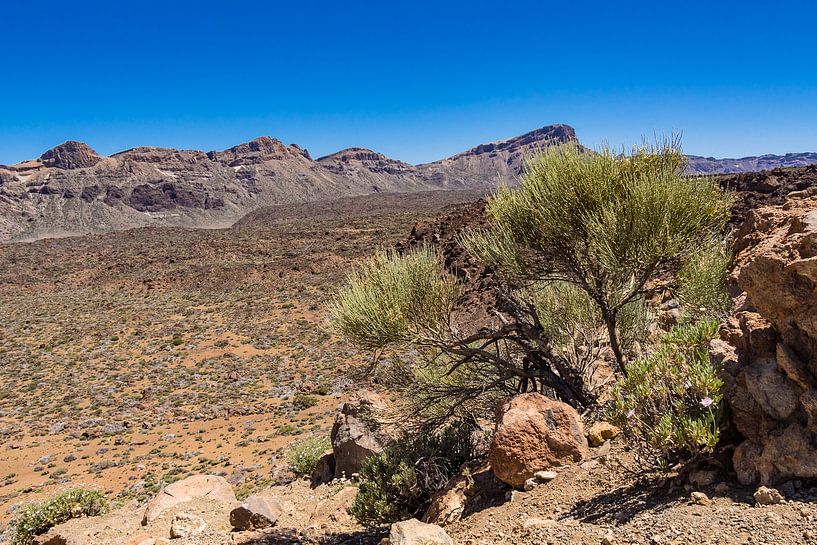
(710, 165)
(72, 190)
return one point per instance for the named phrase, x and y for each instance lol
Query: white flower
(706, 402)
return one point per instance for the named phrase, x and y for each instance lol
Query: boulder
(356, 434)
(196, 486)
(185, 525)
(414, 532)
(534, 433)
(256, 512)
(768, 347)
(324, 470)
(600, 432)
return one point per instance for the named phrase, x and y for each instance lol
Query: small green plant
(303, 401)
(37, 518)
(398, 483)
(670, 404)
(303, 455)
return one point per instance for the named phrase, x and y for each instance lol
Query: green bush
(670, 404)
(574, 324)
(392, 298)
(303, 455)
(398, 483)
(37, 518)
(605, 222)
(303, 401)
(702, 286)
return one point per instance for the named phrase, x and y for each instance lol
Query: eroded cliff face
(768, 347)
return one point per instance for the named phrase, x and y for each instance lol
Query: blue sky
(417, 80)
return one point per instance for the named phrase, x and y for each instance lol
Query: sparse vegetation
(398, 483)
(702, 281)
(670, 404)
(574, 247)
(303, 455)
(37, 518)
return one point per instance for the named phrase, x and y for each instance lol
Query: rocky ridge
(72, 190)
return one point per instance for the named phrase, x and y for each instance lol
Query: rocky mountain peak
(258, 150)
(354, 154)
(70, 155)
(548, 135)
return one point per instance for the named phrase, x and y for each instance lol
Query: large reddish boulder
(534, 432)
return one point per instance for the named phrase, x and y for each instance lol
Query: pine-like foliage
(605, 222)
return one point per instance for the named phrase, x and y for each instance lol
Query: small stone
(608, 539)
(767, 496)
(256, 512)
(141, 539)
(545, 476)
(589, 464)
(600, 432)
(186, 525)
(530, 484)
(699, 498)
(721, 489)
(702, 477)
(535, 523)
(414, 532)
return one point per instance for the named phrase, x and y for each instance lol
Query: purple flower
(631, 413)
(706, 402)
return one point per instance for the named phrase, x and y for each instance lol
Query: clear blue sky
(415, 80)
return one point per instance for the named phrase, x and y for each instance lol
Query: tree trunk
(610, 321)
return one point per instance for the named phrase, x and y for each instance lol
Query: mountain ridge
(71, 189)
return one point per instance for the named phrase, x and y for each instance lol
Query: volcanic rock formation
(768, 347)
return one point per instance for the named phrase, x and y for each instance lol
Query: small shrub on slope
(37, 518)
(398, 483)
(669, 405)
(303, 455)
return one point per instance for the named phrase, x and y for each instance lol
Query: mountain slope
(71, 189)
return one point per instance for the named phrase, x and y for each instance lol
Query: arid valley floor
(138, 357)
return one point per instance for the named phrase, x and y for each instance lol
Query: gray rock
(258, 511)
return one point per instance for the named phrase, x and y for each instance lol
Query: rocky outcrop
(534, 433)
(70, 155)
(198, 486)
(768, 347)
(356, 434)
(709, 165)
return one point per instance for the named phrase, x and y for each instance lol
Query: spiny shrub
(302, 456)
(37, 518)
(670, 404)
(398, 483)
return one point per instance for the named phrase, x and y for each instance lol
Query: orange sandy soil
(138, 357)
